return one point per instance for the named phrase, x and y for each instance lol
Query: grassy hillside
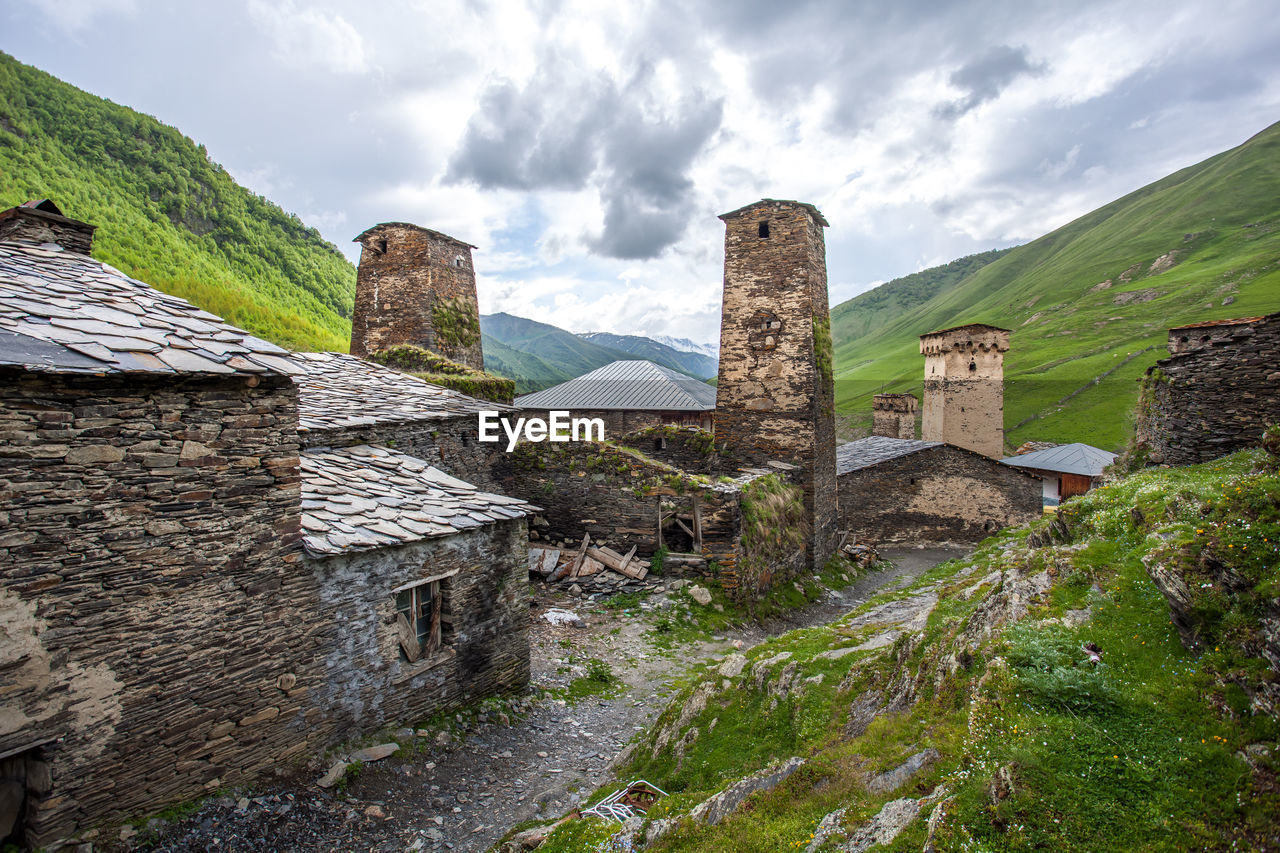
(529, 372)
(963, 712)
(168, 215)
(1090, 302)
(553, 349)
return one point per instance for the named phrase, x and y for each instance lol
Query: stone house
(1214, 394)
(896, 490)
(194, 591)
(628, 396)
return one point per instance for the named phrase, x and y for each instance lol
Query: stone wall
(1213, 400)
(775, 393)
(687, 448)
(940, 494)
(447, 443)
(894, 415)
(366, 682)
(416, 286)
(154, 635)
(964, 388)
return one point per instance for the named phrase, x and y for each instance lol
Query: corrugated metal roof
(1082, 459)
(875, 449)
(626, 385)
(65, 312)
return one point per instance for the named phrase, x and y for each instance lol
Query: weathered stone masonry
(775, 396)
(937, 494)
(1216, 396)
(367, 683)
(157, 634)
(416, 286)
(964, 387)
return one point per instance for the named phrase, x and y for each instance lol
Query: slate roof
(62, 311)
(337, 390)
(1082, 459)
(626, 385)
(875, 449)
(367, 496)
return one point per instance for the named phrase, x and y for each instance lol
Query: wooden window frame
(419, 619)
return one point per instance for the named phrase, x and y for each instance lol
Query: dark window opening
(422, 623)
(764, 229)
(457, 262)
(462, 436)
(973, 365)
(382, 247)
(25, 780)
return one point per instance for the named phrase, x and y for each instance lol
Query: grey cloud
(558, 133)
(986, 76)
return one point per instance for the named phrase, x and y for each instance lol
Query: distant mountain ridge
(538, 355)
(1089, 303)
(686, 345)
(694, 363)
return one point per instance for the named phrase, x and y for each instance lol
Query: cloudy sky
(586, 147)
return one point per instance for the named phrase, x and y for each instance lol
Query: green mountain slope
(168, 215)
(693, 363)
(869, 311)
(556, 351)
(1090, 302)
(529, 372)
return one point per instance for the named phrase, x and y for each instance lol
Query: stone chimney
(894, 415)
(41, 221)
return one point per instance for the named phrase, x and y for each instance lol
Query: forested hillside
(1089, 303)
(167, 214)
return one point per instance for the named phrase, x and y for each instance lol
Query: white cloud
(73, 17)
(307, 38)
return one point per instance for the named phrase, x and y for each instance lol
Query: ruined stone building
(195, 590)
(775, 398)
(894, 415)
(629, 395)
(964, 387)
(1214, 394)
(900, 490)
(416, 286)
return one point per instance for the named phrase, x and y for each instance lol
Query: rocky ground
(463, 783)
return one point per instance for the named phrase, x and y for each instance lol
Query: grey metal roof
(626, 385)
(337, 390)
(62, 311)
(875, 449)
(363, 497)
(1083, 459)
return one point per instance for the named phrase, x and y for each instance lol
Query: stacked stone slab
(416, 286)
(1216, 394)
(775, 396)
(894, 415)
(964, 387)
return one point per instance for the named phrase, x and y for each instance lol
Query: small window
(457, 262)
(382, 247)
(973, 365)
(764, 230)
(419, 620)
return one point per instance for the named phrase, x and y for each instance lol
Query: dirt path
(462, 791)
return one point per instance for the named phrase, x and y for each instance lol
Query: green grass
(1139, 753)
(168, 215)
(1066, 335)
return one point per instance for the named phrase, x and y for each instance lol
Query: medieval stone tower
(416, 286)
(776, 396)
(894, 415)
(964, 387)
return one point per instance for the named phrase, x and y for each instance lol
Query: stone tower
(416, 286)
(894, 415)
(776, 398)
(964, 387)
